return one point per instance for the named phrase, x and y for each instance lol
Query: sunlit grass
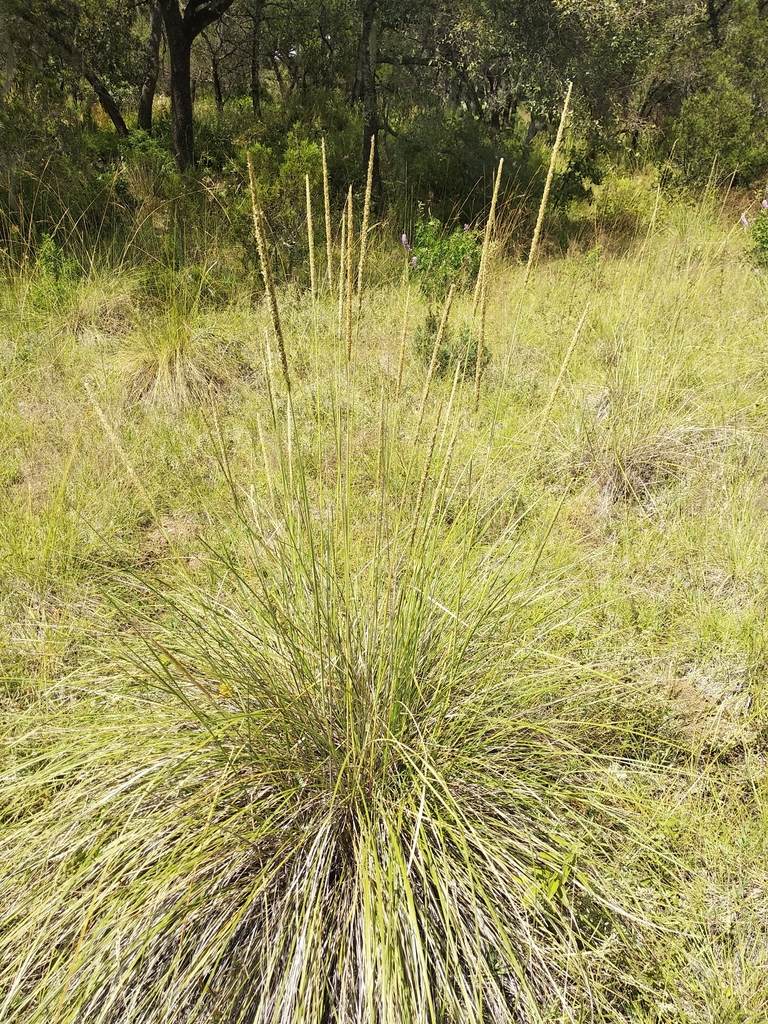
(429, 715)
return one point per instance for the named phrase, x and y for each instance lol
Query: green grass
(360, 705)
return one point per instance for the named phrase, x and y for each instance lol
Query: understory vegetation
(387, 644)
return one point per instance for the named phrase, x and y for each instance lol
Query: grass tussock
(172, 363)
(354, 793)
(636, 448)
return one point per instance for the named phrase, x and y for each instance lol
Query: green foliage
(618, 209)
(449, 156)
(280, 181)
(52, 263)
(719, 130)
(440, 260)
(583, 170)
(456, 347)
(757, 248)
(55, 275)
(441, 149)
(70, 198)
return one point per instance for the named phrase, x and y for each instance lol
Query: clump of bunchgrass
(639, 432)
(351, 777)
(171, 363)
(630, 456)
(334, 792)
(104, 307)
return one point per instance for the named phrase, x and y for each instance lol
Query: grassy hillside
(356, 702)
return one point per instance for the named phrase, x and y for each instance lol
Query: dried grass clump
(172, 365)
(104, 308)
(635, 441)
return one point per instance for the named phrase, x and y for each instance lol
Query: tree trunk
(713, 19)
(715, 12)
(179, 55)
(106, 100)
(180, 32)
(218, 95)
(358, 84)
(279, 76)
(257, 11)
(8, 53)
(181, 102)
(148, 86)
(368, 53)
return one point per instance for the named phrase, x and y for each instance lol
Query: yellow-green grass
(563, 617)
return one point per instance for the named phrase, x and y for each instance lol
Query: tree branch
(76, 60)
(199, 14)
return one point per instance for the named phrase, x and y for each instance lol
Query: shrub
(457, 346)
(440, 260)
(623, 205)
(757, 247)
(720, 129)
(279, 173)
(445, 155)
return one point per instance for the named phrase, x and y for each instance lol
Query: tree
(95, 41)
(256, 11)
(181, 30)
(149, 83)
(365, 85)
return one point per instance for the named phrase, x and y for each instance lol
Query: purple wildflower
(764, 204)
(414, 262)
(744, 220)
(466, 228)
(406, 243)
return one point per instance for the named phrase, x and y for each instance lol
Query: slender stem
(265, 457)
(435, 352)
(342, 257)
(327, 202)
(424, 478)
(547, 185)
(440, 488)
(480, 344)
(366, 218)
(550, 403)
(266, 271)
(403, 336)
(490, 224)
(481, 288)
(311, 240)
(350, 272)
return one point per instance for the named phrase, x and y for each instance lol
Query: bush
(757, 247)
(456, 346)
(440, 260)
(624, 205)
(447, 156)
(720, 129)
